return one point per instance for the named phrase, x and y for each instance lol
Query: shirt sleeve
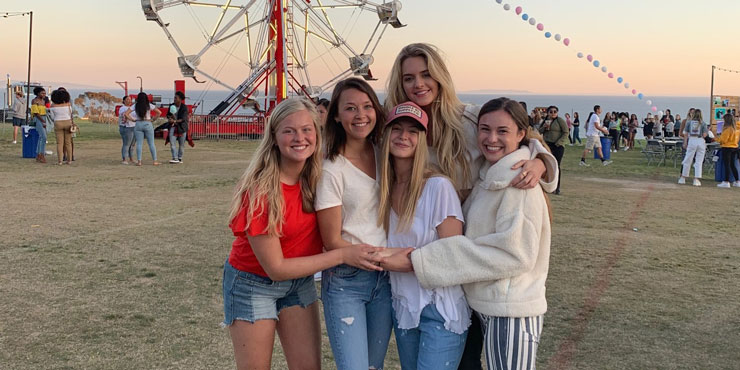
(257, 226)
(330, 188)
(550, 182)
(444, 201)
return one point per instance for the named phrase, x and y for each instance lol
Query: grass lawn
(105, 266)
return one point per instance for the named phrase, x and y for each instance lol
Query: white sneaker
(724, 184)
(681, 181)
(179, 160)
(736, 184)
(606, 163)
(697, 182)
(49, 152)
(175, 161)
(15, 142)
(584, 164)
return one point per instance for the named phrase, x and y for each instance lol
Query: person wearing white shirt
(593, 127)
(126, 129)
(143, 114)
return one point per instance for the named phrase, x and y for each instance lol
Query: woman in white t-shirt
(126, 129)
(417, 207)
(144, 113)
(357, 302)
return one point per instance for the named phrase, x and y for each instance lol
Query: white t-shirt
(148, 114)
(437, 202)
(343, 184)
(591, 125)
(61, 112)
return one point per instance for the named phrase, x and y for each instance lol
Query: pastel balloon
(566, 41)
(626, 85)
(499, 1)
(532, 21)
(590, 58)
(596, 63)
(620, 79)
(540, 27)
(611, 75)
(639, 96)
(507, 6)
(655, 109)
(634, 91)
(525, 16)
(660, 112)
(579, 55)
(518, 10)
(649, 102)
(603, 69)
(557, 37)
(548, 34)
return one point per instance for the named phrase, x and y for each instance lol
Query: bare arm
(401, 260)
(269, 253)
(330, 226)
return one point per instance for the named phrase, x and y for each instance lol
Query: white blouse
(438, 201)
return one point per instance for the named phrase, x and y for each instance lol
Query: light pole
(141, 84)
(28, 80)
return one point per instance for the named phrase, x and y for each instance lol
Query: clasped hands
(370, 258)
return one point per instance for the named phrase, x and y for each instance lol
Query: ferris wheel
(283, 47)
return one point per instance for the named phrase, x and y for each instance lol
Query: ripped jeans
(358, 315)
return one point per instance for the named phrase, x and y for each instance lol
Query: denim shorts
(251, 297)
(18, 121)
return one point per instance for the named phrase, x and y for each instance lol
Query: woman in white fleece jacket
(502, 261)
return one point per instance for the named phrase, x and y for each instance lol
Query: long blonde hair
(260, 183)
(445, 115)
(419, 173)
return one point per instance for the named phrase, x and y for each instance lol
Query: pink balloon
(540, 27)
(611, 75)
(655, 109)
(634, 91)
(518, 10)
(566, 41)
(590, 58)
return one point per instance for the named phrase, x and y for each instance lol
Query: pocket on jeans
(254, 279)
(345, 271)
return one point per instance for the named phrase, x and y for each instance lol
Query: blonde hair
(445, 113)
(260, 183)
(412, 191)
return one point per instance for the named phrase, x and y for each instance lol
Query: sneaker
(681, 181)
(15, 142)
(606, 163)
(124, 162)
(174, 161)
(697, 182)
(724, 184)
(736, 184)
(49, 152)
(584, 164)
(179, 160)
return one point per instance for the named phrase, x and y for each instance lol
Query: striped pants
(511, 342)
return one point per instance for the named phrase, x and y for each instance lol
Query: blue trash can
(30, 142)
(606, 145)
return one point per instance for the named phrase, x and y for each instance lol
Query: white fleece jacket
(502, 261)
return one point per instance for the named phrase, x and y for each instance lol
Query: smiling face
(498, 135)
(356, 114)
(403, 138)
(418, 83)
(296, 137)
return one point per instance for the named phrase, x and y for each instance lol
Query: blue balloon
(525, 16)
(620, 79)
(596, 63)
(639, 96)
(548, 34)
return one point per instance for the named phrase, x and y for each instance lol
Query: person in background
(633, 124)
(728, 142)
(677, 126)
(689, 116)
(126, 129)
(322, 106)
(648, 125)
(536, 119)
(555, 130)
(144, 113)
(593, 127)
(178, 127)
(74, 134)
(576, 128)
(61, 111)
(625, 130)
(694, 134)
(38, 111)
(658, 128)
(669, 127)
(19, 113)
(667, 116)
(570, 128)
(613, 125)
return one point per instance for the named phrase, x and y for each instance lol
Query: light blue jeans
(358, 315)
(41, 147)
(430, 345)
(177, 153)
(144, 129)
(127, 136)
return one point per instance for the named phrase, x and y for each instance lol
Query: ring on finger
(524, 173)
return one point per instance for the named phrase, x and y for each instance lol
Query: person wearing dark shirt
(178, 120)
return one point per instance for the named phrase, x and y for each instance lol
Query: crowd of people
(391, 202)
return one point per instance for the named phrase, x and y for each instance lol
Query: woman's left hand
(532, 171)
(399, 261)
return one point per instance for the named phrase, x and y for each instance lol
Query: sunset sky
(661, 47)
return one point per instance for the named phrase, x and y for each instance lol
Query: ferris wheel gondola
(285, 47)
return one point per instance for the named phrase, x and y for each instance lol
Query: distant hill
(493, 91)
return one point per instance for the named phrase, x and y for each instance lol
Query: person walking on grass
(178, 127)
(728, 142)
(555, 130)
(693, 141)
(144, 113)
(126, 129)
(593, 142)
(576, 128)
(19, 113)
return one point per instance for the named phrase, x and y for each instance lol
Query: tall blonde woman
(694, 132)
(61, 111)
(268, 277)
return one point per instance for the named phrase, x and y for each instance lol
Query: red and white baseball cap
(410, 110)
